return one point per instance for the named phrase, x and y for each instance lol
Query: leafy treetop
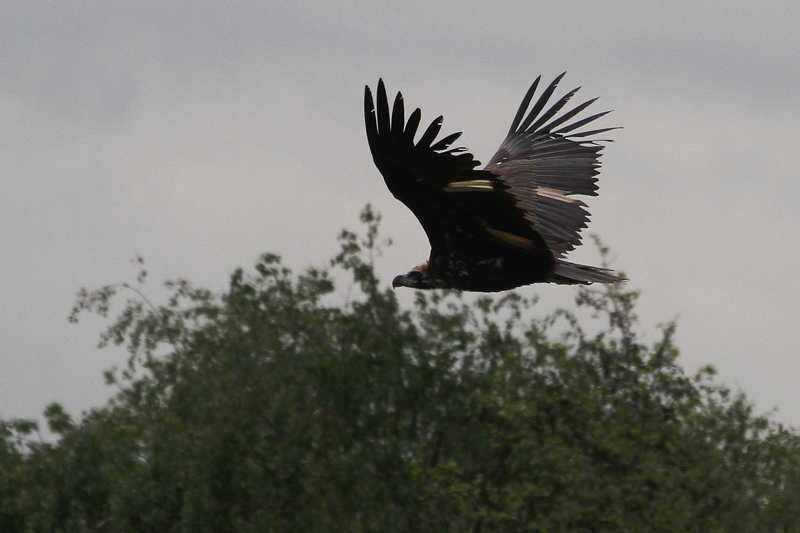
(276, 406)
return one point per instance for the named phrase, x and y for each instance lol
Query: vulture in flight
(503, 226)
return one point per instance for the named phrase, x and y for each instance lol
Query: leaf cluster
(281, 405)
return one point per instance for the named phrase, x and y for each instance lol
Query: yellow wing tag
(510, 238)
(469, 186)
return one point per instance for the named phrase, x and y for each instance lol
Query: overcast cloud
(202, 134)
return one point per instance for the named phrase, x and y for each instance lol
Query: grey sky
(201, 134)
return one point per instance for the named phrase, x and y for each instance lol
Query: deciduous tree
(281, 405)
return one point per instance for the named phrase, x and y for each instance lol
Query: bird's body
(503, 226)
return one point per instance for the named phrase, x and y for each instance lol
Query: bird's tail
(567, 273)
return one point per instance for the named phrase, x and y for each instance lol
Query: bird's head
(417, 278)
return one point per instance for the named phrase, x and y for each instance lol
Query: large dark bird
(506, 225)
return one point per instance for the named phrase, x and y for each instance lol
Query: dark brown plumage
(507, 225)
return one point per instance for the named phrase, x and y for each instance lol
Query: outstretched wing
(544, 160)
(456, 204)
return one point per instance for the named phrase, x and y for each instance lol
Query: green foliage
(279, 406)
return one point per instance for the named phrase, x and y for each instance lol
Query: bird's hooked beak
(401, 281)
(416, 279)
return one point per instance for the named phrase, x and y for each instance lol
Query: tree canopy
(283, 404)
